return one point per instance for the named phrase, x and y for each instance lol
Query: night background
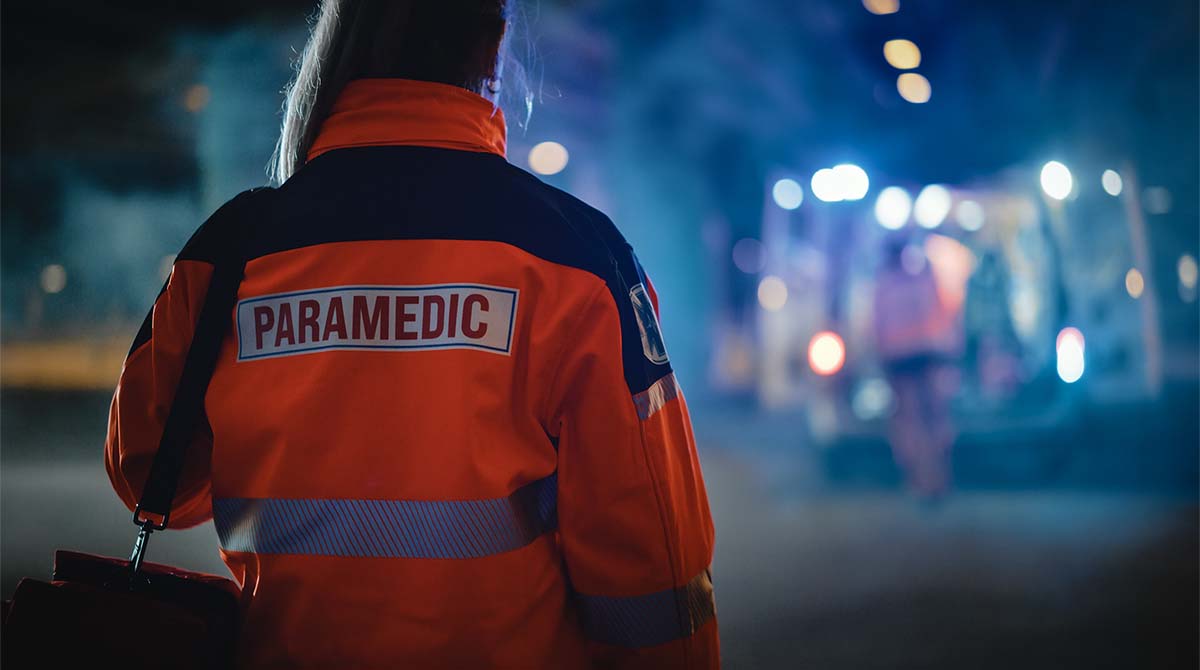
(1028, 169)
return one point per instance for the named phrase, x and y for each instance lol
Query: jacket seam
(662, 519)
(518, 247)
(652, 474)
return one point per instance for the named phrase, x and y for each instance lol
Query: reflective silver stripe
(652, 619)
(660, 393)
(388, 528)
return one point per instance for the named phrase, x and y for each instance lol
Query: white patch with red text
(442, 316)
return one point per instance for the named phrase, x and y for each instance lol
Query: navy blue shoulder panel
(643, 350)
(220, 237)
(397, 193)
(215, 241)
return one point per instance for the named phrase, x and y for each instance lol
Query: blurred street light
(1112, 183)
(882, 6)
(748, 255)
(914, 88)
(1187, 270)
(548, 158)
(772, 293)
(826, 353)
(872, 399)
(1056, 180)
(787, 193)
(1134, 283)
(893, 207)
(1069, 349)
(901, 54)
(825, 185)
(970, 215)
(54, 278)
(846, 181)
(196, 98)
(932, 206)
(852, 181)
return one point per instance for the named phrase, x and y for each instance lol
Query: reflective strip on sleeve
(660, 393)
(388, 528)
(649, 620)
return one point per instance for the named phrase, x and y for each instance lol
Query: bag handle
(153, 510)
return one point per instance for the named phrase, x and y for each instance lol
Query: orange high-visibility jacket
(443, 430)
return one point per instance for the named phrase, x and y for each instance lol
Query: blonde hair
(458, 42)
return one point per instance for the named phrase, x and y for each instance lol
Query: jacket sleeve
(151, 374)
(634, 519)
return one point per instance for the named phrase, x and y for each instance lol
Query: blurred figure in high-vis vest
(918, 340)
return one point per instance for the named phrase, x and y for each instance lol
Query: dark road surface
(817, 578)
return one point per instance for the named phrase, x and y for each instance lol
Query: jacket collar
(373, 112)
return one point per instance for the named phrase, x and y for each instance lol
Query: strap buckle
(143, 518)
(147, 526)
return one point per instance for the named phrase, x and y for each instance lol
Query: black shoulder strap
(187, 410)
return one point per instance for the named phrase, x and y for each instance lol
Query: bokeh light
(893, 207)
(882, 7)
(1134, 283)
(970, 215)
(54, 278)
(902, 54)
(932, 206)
(787, 193)
(548, 158)
(826, 353)
(1112, 182)
(1056, 180)
(852, 181)
(1069, 348)
(748, 255)
(914, 88)
(196, 98)
(825, 185)
(1187, 270)
(872, 399)
(772, 293)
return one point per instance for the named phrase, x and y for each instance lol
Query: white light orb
(893, 207)
(970, 215)
(1112, 182)
(1069, 348)
(1056, 180)
(787, 193)
(932, 206)
(826, 185)
(852, 181)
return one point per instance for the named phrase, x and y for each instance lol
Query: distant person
(992, 346)
(443, 431)
(917, 339)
